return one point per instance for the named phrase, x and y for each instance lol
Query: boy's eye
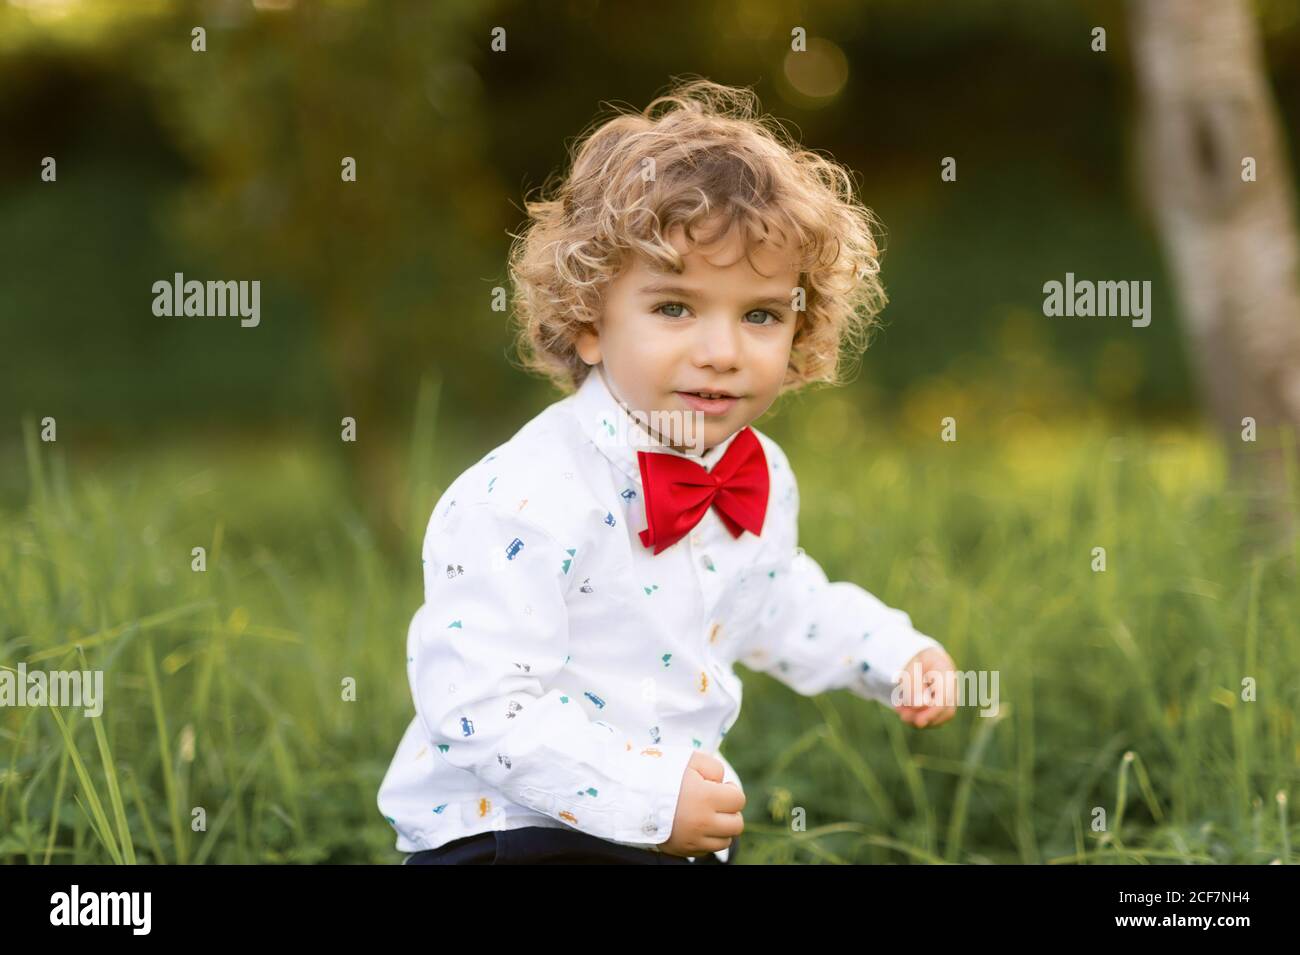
(762, 311)
(670, 305)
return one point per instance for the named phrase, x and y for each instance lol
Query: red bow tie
(678, 492)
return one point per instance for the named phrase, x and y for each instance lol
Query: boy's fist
(919, 696)
(708, 810)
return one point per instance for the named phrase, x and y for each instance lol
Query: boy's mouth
(715, 402)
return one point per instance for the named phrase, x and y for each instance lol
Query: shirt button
(696, 538)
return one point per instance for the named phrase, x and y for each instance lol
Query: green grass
(1119, 690)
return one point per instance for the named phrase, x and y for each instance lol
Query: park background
(1120, 689)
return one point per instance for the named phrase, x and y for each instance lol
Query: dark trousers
(542, 845)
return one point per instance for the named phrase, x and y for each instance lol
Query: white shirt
(563, 674)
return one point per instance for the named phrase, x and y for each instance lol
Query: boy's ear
(587, 343)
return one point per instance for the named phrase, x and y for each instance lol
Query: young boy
(589, 583)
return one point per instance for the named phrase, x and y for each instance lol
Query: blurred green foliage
(225, 164)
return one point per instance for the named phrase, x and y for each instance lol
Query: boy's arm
(485, 653)
(815, 635)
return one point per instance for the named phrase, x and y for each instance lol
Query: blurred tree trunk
(1205, 105)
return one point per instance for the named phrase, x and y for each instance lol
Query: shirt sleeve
(487, 654)
(815, 635)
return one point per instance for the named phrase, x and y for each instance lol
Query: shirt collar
(613, 429)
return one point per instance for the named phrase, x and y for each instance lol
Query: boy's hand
(924, 704)
(708, 810)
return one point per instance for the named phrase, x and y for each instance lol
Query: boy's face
(721, 325)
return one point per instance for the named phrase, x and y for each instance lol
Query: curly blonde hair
(710, 154)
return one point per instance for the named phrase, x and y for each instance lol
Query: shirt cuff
(882, 658)
(650, 797)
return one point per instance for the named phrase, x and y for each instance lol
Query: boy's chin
(714, 435)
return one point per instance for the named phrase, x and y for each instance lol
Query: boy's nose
(718, 344)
